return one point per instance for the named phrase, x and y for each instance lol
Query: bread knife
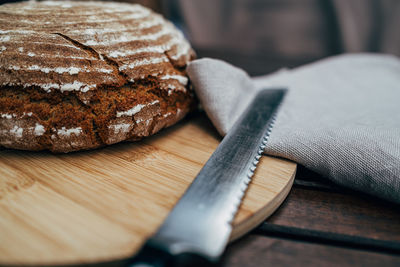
(198, 227)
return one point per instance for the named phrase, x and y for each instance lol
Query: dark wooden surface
(320, 224)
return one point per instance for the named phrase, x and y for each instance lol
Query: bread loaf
(80, 75)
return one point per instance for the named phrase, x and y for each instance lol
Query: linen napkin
(340, 118)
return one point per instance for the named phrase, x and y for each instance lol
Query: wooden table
(319, 224)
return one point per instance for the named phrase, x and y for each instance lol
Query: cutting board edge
(258, 217)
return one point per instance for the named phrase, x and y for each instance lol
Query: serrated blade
(200, 223)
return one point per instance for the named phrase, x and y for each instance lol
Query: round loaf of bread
(80, 75)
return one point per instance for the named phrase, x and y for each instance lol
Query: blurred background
(261, 36)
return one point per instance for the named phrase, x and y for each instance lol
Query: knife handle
(149, 256)
(153, 256)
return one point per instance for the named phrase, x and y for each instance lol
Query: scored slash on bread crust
(80, 75)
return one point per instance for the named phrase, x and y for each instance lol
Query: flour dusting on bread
(89, 74)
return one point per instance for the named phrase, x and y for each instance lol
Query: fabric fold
(340, 118)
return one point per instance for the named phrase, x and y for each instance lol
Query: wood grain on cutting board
(101, 205)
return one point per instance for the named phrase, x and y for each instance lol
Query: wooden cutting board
(101, 205)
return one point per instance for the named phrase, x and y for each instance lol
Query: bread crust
(81, 75)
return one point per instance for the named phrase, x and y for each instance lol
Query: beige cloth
(340, 118)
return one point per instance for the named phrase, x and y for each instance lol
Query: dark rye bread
(80, 75)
